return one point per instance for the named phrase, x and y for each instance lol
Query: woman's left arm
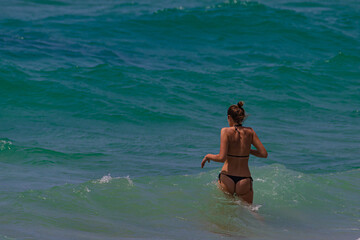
(221, 157)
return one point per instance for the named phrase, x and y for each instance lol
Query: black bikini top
(238, 156)
(230, 155)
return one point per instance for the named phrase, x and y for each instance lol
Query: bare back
(235, 148)
(239, 144)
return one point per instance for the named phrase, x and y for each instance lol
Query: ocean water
(107, 109)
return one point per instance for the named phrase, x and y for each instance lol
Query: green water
(108, 108)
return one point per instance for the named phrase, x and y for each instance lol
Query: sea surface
(108, 107)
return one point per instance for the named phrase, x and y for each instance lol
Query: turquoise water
(107, 110)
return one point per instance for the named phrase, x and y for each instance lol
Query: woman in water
(235, 148)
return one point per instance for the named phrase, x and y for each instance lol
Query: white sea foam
(5, 145)
(259, 180)
(253, 208)
(131, 183)
(108, 178)
(105, 179)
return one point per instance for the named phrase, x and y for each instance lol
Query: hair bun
(240, 104)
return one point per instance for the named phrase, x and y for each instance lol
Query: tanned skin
(237, 142)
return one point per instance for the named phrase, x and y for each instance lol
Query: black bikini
(237, 155)
(236, 179)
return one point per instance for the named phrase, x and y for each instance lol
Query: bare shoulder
(249, 130)
(225, 130)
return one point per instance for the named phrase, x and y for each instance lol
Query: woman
(235, 148)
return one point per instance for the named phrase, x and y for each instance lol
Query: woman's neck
(235, 125)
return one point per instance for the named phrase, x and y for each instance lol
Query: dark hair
(237, 112)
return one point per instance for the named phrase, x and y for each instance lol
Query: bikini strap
(238, 125)
(238, 155)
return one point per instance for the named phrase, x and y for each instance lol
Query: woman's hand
(204, 160)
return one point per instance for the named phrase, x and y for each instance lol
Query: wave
(16, 154)
(247, 26)
(194, 202)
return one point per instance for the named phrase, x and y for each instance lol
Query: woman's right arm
(260, 149)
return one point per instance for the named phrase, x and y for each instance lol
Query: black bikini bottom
(234, 178)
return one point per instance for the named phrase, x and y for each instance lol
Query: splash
(108, 178)
(105, 179)
(252, 208)
(5, 145)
